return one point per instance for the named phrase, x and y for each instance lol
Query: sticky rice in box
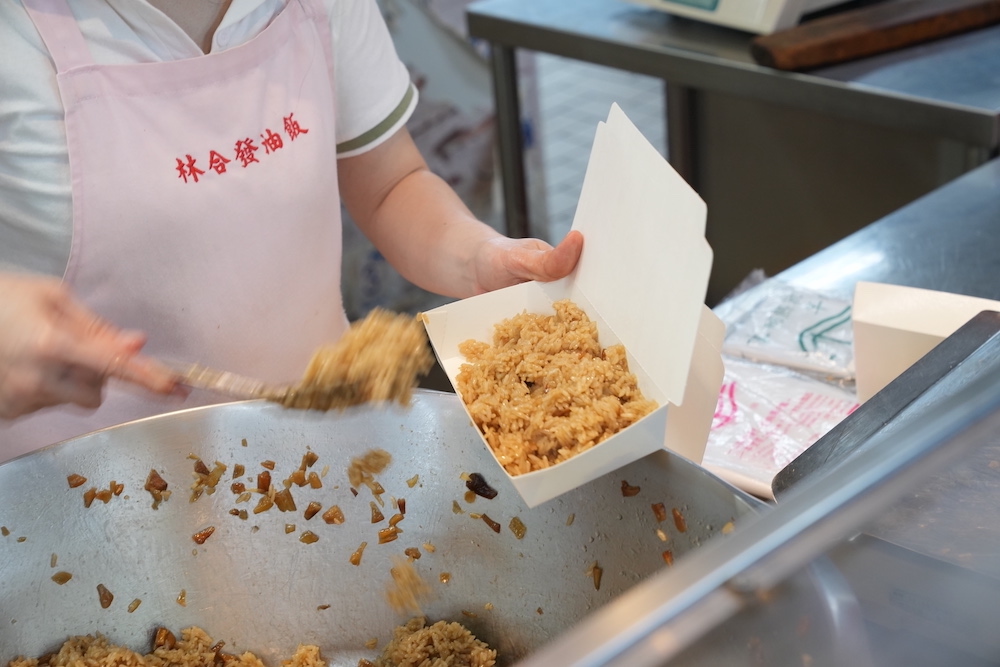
(642, 280)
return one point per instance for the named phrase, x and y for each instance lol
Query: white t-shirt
(374, 94)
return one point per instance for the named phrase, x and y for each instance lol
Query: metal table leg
(511, 143)
(681, 110)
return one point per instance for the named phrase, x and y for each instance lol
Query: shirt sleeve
(374, 94)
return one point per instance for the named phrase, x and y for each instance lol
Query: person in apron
(205, 180)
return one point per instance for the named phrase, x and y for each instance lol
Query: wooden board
(875, 29)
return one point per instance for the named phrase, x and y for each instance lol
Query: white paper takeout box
(642, 278)
(895, 326)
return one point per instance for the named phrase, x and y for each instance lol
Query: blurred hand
(53, 350)
(502, 261)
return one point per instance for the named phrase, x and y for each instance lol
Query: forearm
(429, 235)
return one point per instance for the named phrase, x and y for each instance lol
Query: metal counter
(927, 566)
(788, 162)
(907, 517)
(948, 240)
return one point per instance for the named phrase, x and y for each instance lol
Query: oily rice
(194, 649)
(442, 644)
(545, 390)
(413, 645)
(407, 588)
(379, 359)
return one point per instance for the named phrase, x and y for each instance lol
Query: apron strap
(60, 32)
(317, 12)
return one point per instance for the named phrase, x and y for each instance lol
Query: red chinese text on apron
(205, 206)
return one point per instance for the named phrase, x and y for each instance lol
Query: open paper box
(894, 326)
(642, 278)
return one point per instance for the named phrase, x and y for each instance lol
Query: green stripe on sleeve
(380, 129)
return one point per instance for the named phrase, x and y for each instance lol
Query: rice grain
(544, 390)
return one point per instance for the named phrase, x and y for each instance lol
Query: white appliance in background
(758, 16)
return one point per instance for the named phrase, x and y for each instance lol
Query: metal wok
(254, 585)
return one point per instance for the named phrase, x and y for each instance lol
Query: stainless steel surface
(258, 588)
(507, 101)
(949, 71)
(773, 545)
(943, 89)
(948, 240)
(926, 570)
(972, 351)
(940, 89)
(682, 128)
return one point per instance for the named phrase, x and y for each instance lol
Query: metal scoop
(240, 387)
(379, 359)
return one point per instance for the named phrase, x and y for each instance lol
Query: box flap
(645, 263)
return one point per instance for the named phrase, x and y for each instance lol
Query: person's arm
(427, 233)
(53, 350)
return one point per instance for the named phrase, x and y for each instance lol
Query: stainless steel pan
(259, 588)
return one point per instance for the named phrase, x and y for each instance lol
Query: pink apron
(205, 207)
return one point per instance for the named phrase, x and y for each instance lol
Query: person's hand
(54, 351)
(502, 262)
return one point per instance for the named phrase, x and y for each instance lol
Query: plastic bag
(777, 323)
(766, 416)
